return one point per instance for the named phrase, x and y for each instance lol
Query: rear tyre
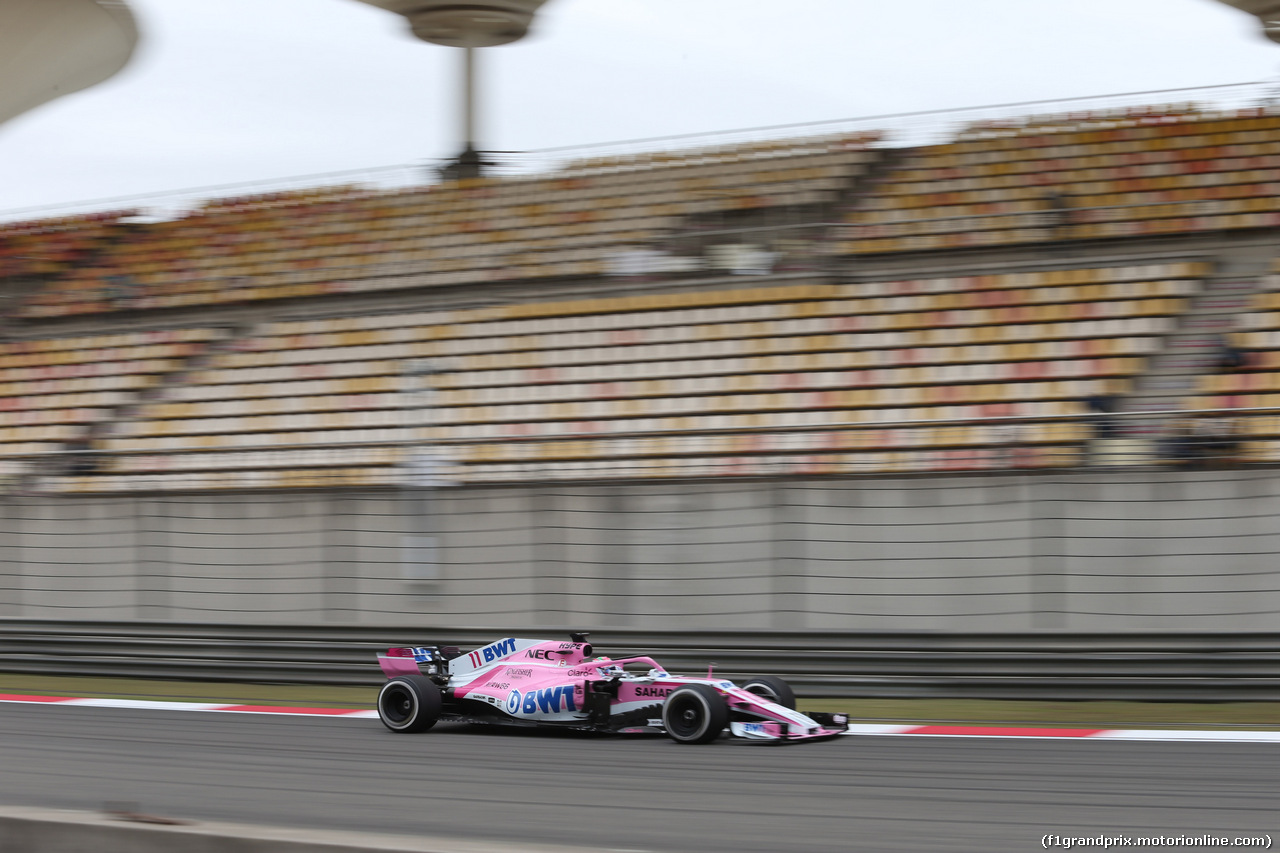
(695, 713)
(409, 703)
(772, 688)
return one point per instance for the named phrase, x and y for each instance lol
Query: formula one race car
(550, 683)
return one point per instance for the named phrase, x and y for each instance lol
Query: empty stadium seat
(570, 223)
(58, 390)
(835, 378)
(1122, 176)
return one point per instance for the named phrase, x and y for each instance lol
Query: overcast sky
(224, 91)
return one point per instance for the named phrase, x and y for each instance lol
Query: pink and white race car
(557, 684)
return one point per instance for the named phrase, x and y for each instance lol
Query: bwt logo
(492, 652)
(546, 700)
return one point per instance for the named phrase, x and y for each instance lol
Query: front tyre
(772, 688)
(409, 703)
(695, 713)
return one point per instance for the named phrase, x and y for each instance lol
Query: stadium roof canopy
(476, 23)
(1267, 11)
(51, 48)
(486, 23)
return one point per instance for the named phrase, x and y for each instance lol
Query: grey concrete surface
(527, 788)
(38, 830)
(1088, 551)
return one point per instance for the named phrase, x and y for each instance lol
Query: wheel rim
(687, 716)
(764, 691)
(397, 703)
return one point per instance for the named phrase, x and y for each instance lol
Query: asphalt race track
(647, 793)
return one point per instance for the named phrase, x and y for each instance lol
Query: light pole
(469, 163)
(469, 25)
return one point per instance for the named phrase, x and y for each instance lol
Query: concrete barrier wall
(1061, 551)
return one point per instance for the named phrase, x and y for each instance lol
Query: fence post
(11, 566)
(152, 579)
(618, 588)
(1048, 586)
(789, 605)
(339, 588)
(549, 582)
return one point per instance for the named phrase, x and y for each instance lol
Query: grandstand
(886, 332)
(698, 358)
(1168, 173)
(346, 240)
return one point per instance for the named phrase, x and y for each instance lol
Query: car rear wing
(415, 660)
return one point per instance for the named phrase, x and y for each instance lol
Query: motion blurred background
(936, 376)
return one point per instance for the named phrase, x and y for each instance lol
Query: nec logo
(538, 654)
(546, 700)
(492, 652)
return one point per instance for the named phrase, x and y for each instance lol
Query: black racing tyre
(409, 703)
(773, 688)
(695, 713)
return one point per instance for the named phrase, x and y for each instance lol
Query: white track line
(865, 729)
(219, 707)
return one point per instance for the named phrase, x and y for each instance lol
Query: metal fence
(1113, 549)
(927, 127)
(1192, 667)
(1124, 575)
(813, 442)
